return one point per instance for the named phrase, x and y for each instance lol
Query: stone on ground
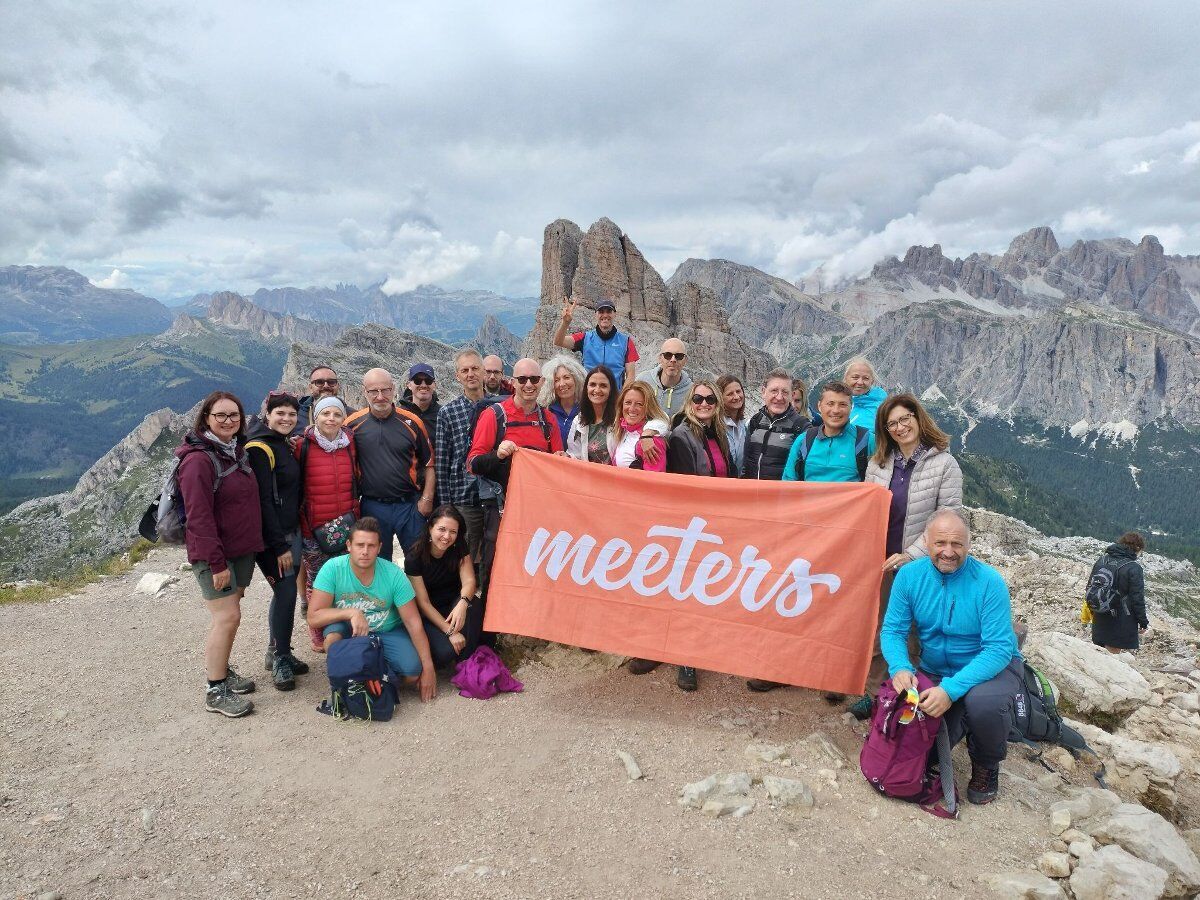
(632, 769)
(728, 806)
(1150, 837)
(153, 582)
(788, 792)
(1054, 865)
(1113, 874)
(1022, 886)
(1091, 680)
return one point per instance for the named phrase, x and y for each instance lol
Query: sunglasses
(528, 379)
(288, 394)
(704, 399)
(679, 356)
(909, 710)
(422, 381)
(322, 382)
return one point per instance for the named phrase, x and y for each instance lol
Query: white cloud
(115, 279)
(1087, 219)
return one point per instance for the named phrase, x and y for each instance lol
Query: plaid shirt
(453, 440)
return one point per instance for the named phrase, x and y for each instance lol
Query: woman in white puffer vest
(912, 460)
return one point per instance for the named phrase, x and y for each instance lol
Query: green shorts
(241, 568)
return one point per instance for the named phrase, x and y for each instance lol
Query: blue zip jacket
(964, 621)
(865, 406)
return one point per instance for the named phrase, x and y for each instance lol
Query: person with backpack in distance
(327, 457)
(223, 534)
(514, 424)
(443, 579)
(279, 488)
(359, 593)
(963, 614)
(588, 436)
(1116, 595)
(602, 346)
(452, 441)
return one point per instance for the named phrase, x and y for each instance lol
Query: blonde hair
(697, 427)
(653, 410)
(860, 361)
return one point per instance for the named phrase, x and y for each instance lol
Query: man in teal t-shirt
(359, 594)
(835, 450)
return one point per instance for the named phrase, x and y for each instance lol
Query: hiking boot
(761, 686)
(298, 666)
(642, 666)
(862, 707)
(685, 677)
(984, 784)
(219, 699)
(833, 697)
(282, 675)
(237, 683)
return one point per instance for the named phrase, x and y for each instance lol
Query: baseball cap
(606, 304)
(421, 369)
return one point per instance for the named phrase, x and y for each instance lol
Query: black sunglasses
(678, 356)
(422, 381)
(528, 379)
(698, 399)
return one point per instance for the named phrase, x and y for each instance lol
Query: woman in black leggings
(443, 579)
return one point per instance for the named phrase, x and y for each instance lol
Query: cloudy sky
(177, 149)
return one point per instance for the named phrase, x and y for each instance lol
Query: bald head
(947, 540)
(527, 374)
(671, 358)
(379, 387)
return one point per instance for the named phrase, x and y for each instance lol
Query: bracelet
(466, 600)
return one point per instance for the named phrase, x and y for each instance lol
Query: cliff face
(1070, 365)
(493, 337)
(235, 311)
(606, 264)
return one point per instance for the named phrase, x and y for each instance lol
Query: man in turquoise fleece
(963, 616)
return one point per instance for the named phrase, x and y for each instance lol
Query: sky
(182, 148)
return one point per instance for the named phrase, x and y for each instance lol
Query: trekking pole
(946, 769)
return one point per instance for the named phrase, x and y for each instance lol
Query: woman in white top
(588, 437)
(636, 440)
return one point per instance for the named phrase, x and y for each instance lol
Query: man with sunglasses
(603, 346)
(514, 424)
(420, 397)
(323, 382)
(671, 382)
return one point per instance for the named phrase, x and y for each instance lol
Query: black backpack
(1036, 719)
(1103, 596)
(861, 456)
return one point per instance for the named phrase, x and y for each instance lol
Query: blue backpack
(361, 683)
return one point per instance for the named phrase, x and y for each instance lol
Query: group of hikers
(315, 492)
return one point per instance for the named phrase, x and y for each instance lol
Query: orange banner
(765, 579)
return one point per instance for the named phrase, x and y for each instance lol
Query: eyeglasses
(679, 356)
(705, 399)
(528, 379)
(322, 382)
(422, 381)
(903, 420)
(226, 417)
(379, 392)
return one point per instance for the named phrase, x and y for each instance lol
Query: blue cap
(606, 304)
(421, 369)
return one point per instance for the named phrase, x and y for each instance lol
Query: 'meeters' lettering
(615, 565)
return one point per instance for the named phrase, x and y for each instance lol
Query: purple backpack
(901, 760)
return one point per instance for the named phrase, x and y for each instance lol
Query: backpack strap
(806, 444)
(545, 428)
(265, 448)
(861, 438)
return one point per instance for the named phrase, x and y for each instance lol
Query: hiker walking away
(393, 451)
(602, 346)
(1119, 624)
(698, 445)
(772, 430)
(358, 593)
(637, 440)
(439, 567)
(494, 381)
(963, 615)
(322, 382)
(866, 394)
(279, 490)
(420, 397)
(223, 534)
(835, 450)
(455, 485)
(733, 416)
(514, 424)
(912, 460)
(588, 437)
(671, 382)
(562, 391)
(327, 461)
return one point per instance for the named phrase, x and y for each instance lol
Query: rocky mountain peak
(1035, 247)
(235, 311)
(493, 337)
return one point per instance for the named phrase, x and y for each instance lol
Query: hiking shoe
(685, 677)
(299, 667)
(282, 675)
(984, 784)
(834, 697)
(642, 666)
(862, 707)
(761, 686)
(237, 683)
(220, 699)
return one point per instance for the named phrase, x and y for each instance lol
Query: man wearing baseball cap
(604, 345)
(420, 397)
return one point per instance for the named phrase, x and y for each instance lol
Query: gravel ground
(116, 783)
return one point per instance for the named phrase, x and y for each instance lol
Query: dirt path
(116, 783)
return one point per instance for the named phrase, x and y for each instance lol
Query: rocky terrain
(494, 338)
(232, 310)
(724, 792)
(53, 304)
(605, 264)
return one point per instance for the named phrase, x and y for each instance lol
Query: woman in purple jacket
(224, 532)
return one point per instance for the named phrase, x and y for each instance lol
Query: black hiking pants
(984, 716)
(281, 616)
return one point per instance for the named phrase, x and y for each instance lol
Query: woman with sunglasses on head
(327, 461)
(912, 460)
(443, 579)
(637, 438)
(279, 490)
(223, 535)
(562, 391)
(589, 434)
(733, 402)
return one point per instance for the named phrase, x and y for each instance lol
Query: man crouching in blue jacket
(963, 616)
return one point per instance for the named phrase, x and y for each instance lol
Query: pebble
(632, 769)
(49, 895)
(1060, 821)
(148, 817)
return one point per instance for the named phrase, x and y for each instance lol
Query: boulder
(153, 582)
(1054, 865)
(1084, 803)
(1150, 837)
(1113, 874)
(1022, 886)
(1147, 770)
(1090, 680)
